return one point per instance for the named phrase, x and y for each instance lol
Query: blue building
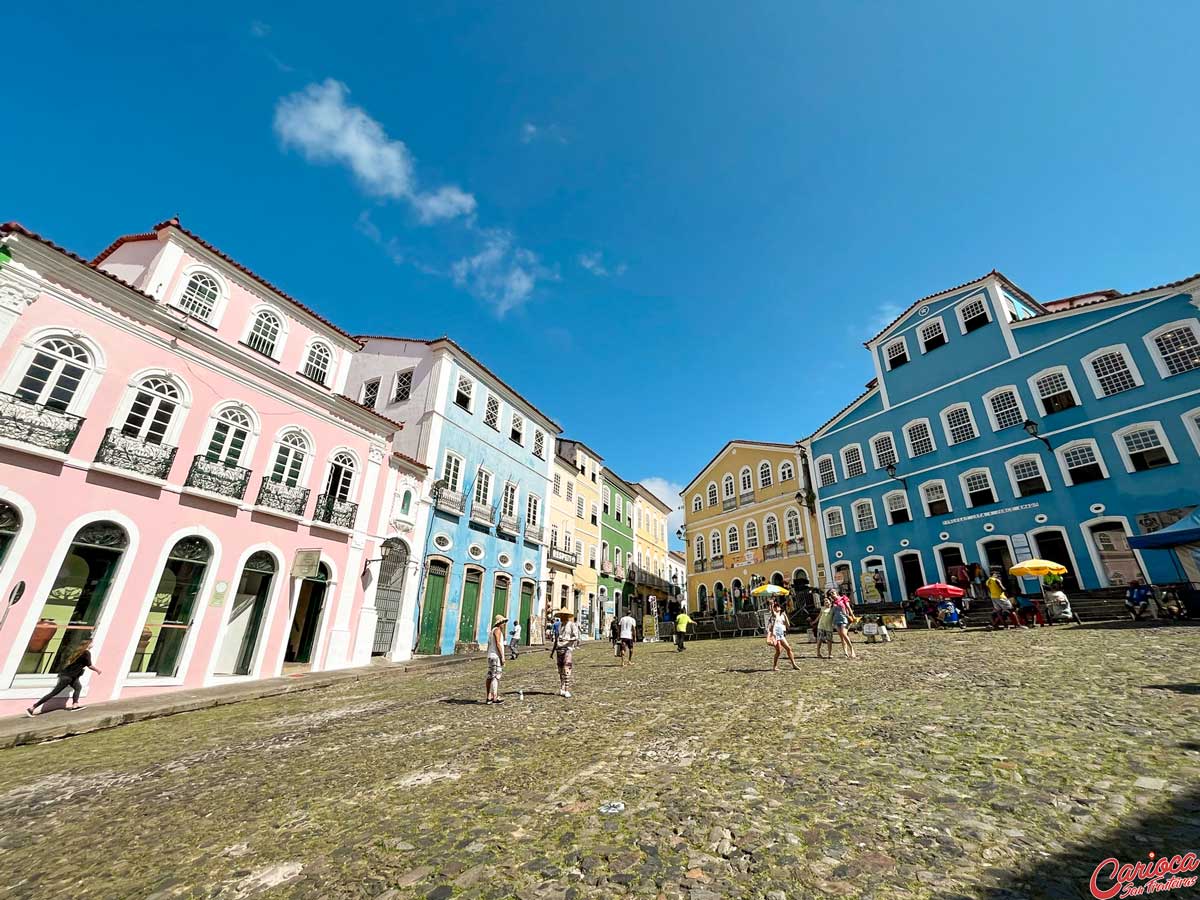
(489, 453)
(998, 428)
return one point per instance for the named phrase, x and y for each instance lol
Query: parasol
(770, 590)
(939, 591)
(1037, 567)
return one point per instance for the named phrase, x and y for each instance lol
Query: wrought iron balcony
(509, 525)
(717, 561)
(332, 511)
(534, 534)
(772, 551)
(124, 451)
(729, 503)
(452, 502)
(218, 478)
(280, 496)
(482, 514)
(795, 546)
(606, 567)
(33, 423)
(565, 557)
(700, 565)
(746, 497)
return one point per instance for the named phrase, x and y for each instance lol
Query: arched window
(229, 437)
(771, 529)
(10, 526)
(164, 633)
(53, 376)
(290, 456)
(747, 480)
(792, 524)
(712, 494)
(764, 475)
(727, 486)
(406, 503)
(697, 503)
(751, 534)
(154, 405)
(264, 333)
(316, 365)
(716, 543)
(864, 515)
(341, 477)
(884, 450)
(732, 539)
(199, 297)
(786, 471)
(699, 547)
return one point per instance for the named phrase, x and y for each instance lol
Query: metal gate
(388, 597)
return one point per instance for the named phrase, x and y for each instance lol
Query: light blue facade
(1125, 371)
(473, 540)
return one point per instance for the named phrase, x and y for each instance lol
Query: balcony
(509, 525)
(217, 477)
(451, 502)
(124, 451)
(619, 573)
(717, 561)
(700, 565)
(282, 497)
(606, 567)
(565, 557)
(729, 503)
(333, 511)
(773, 551)
(534, 534)
(795, 546)
(482, 514)
(745, 497)
(34, 424)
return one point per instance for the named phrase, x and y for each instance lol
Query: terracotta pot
(43, 631)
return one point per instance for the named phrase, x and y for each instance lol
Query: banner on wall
(746, 558)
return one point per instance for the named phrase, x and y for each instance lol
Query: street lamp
(1031, 428)
(891, 470)
(807, 498)
(385, 550)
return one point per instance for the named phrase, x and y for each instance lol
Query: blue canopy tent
(1179, 539)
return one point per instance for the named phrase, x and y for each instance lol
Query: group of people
(567, 637)
(835, 616)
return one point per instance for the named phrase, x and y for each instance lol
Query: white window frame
(769, 520)
(1192, 426)
(908, 442)
(1060, 455)
(962, 485)
(470, 407)
(728, 487)
(925, 500)
(513, 419)
(875, 452)
(557, 488)
(991, 413)
(770, 472)
(412, 382)
(579, 506)
(750, 529)
(854, 514)
(841, 520)
(1094, 380)
(312, 345)
(733, 539)
(515, 508)
(1152, 348)
(698, 547)
(887, 360)
(712, 496)
(790, 468)
(355, 469)
(533, 511)
(362, 391)
(887, 510)
(309, 450)
(958, 311)
(832, 470)
(446, 457)
(88, 382)
(944, 415)
(1037, 396)
(1119, 438)
(539, 443)
(697, 503)
(252, 433)
(280, 340)
(746, 479)
(846, 466)
(219, 305)
(1012, 477)
(921, 333)
(183, 405)
(715, 544)
(789, 515)
(488, 399)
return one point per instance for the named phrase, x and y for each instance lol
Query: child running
(777, 628)
(825, 625)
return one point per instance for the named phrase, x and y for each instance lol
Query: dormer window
(896, 354)
(973, 314)
(370, 393)
(933, 335)
(199, 297)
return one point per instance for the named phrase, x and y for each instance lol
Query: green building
(616, 547)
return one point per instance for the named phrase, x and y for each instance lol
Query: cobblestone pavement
(942, 765)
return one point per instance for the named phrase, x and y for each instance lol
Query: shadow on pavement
(1066, 875)
(1188, 688)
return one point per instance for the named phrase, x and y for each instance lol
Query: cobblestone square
(941, 765)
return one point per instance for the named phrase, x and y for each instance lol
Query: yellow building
(575, 532)
(650, 549)
(744, 524)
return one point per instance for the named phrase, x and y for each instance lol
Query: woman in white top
(563, 648)
(495, 650)
(777, 626)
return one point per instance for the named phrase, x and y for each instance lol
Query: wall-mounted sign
(306, 563)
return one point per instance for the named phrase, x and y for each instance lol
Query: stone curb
(17, 731)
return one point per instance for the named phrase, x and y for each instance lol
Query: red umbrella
(939, 591)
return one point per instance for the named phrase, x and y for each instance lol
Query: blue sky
(668, 224)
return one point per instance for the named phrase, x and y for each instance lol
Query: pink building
(181, 480)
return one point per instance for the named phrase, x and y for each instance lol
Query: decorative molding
(15, 297)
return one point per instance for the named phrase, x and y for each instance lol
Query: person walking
(842, 611)
(69, 676)
(824, 626)
(566, 639)
(628, 629)
(682, 621)
(495, 670)
(514, 639)
(614, 635)
(777, 626)
(1002, 607)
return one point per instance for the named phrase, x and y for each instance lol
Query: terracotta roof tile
(726, 447)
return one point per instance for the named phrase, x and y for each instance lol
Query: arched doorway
(429, 638)
(843, 580)
(1051, 544)
(500, 594)
(389, 595)
(719, 593)
(702, 598)
(240, 645)
(526, 609)
(997, 555)
(468, 610)
(160, 645)
(777, 579)
(10, 526)
(77, 598)
(950, 560)
(735, 591)
(912, 572)
(306, 622)
(874, 581)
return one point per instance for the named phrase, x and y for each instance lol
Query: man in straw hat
(495, 659)
(566, 639)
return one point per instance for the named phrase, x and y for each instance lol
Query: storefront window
(160, 646)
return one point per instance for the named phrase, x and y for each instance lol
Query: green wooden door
(469, 613)
(500, 603)
(431, 609)
(526, 610)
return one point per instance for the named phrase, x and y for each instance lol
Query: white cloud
(668, 493)
(501, 273)
(325, 128)
(594, 263)
(882, 317)
(259, 29)
(531, 132)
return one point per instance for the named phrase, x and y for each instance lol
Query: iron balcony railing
(283, 497)
(452, 502)
(509, 525)
(729, 503)
(482, 514)
(700, 565)
(717, 561)
(534, 533)
(795, 546)
(125, 451)
(34, 423)
(772, 551)
(218, 477)
(565, 557)
(746, 497)
(332, 511)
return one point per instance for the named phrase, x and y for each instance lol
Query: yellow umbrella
(1037, 567)
(774, 590)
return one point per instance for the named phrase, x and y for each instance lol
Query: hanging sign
(306, 563)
